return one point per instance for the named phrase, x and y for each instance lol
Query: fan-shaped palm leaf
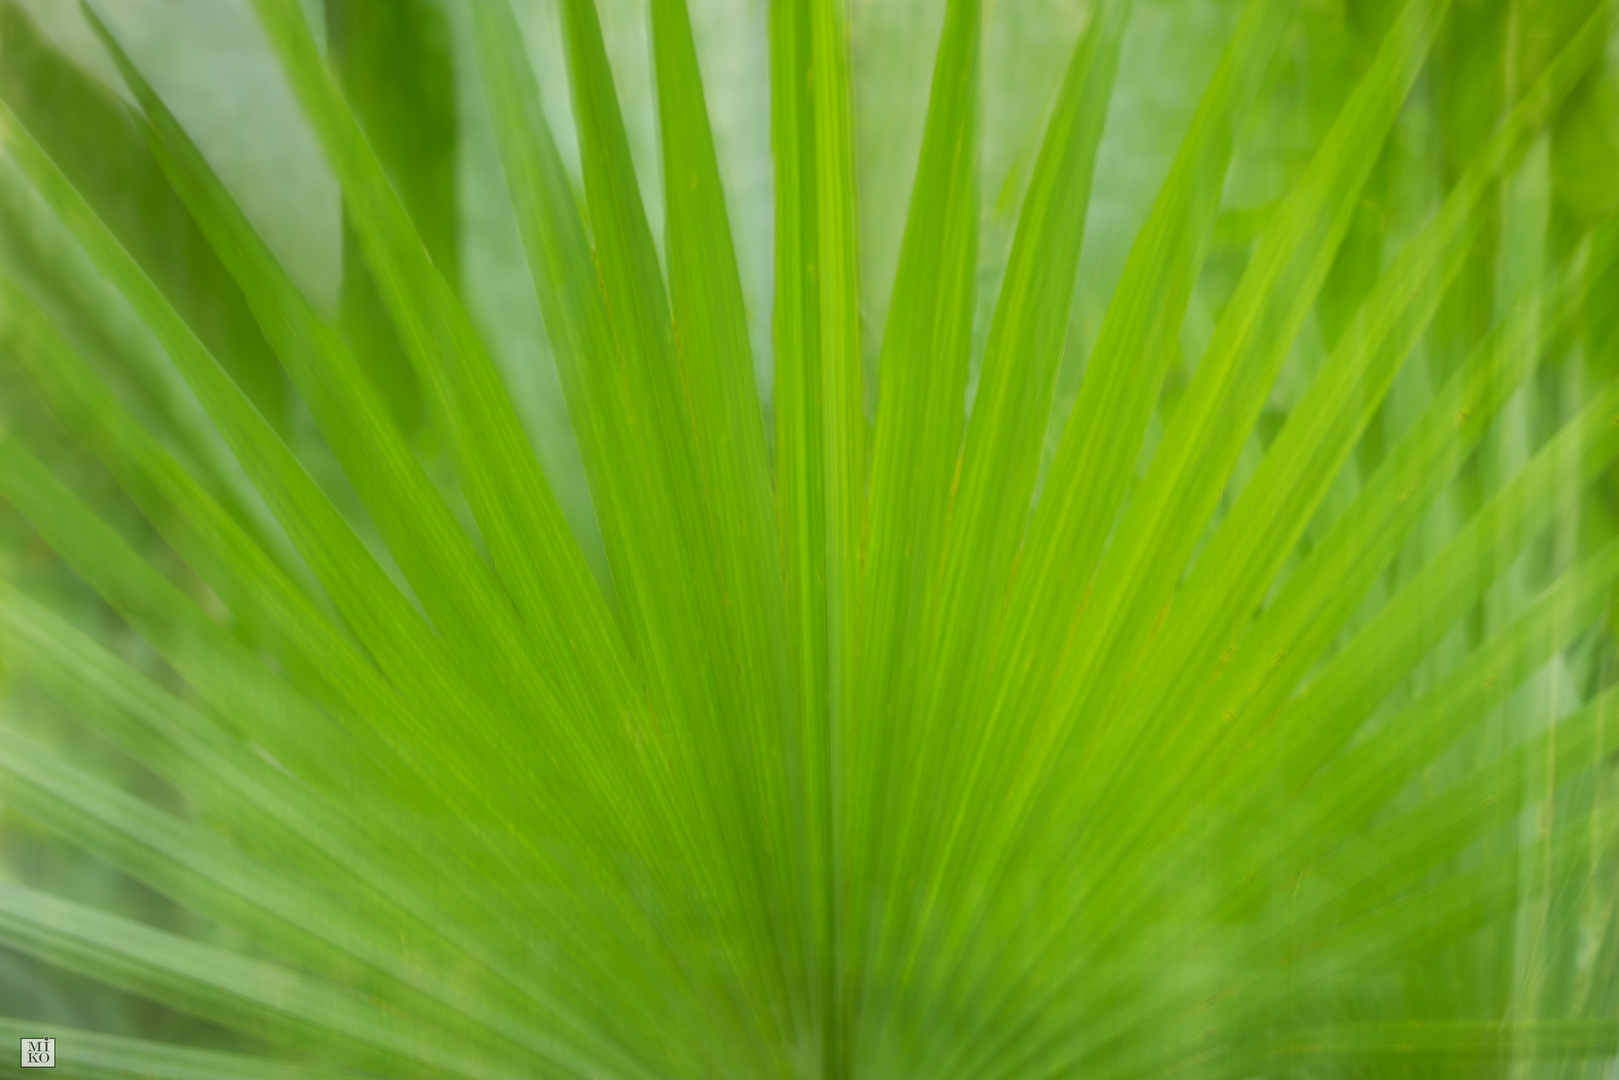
(1243, 709)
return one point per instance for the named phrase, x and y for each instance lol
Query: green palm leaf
(1248, 711)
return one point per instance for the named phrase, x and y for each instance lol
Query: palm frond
(1154, 633)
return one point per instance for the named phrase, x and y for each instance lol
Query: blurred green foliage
(803, 538)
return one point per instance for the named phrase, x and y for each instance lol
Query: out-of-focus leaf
(85, 129)
(393, 59)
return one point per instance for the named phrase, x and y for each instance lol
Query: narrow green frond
(1138, 342)
(1161, 527)
(915, 449)
(95, 1056)
(221, 668)
(273, 1002)
(995, 472)
(59, 270)
(470, 610)
(1210, 609)
(820, 459)
(1419, 1041)
(367, 598)
(562, 611)
(84, 126)
(311, 930)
